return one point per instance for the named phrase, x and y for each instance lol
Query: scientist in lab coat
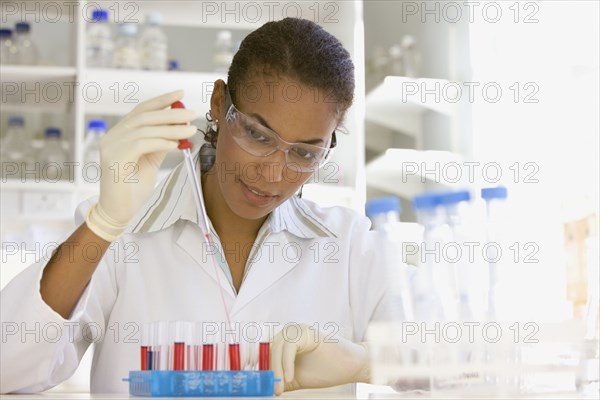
(138, 254)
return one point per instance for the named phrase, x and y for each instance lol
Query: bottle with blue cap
(53, 157)
(153, 44)
(126, 54)
(460, 257)
(434, 296)
(494, 198)
(99, 41)
(96, 129)
(26, 50)
(384, 213)
(7, 49)
(495, 220)
(16, 146)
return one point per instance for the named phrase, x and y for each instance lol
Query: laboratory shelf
(37, 88)
(116, 91)
(9, 73)
(407, 172)
(389, 105)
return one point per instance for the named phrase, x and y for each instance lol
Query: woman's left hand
(304, 359)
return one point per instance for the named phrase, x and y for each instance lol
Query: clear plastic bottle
(96, 129)
(126, 53)
(52, 156)
(384, 213)
(495, 215)
(153, 44)
(6, 47)
(223, 54)
(462, 271)
(495, 198)
(26, 50)
(433, 296)
(16, 146)
(99, 41)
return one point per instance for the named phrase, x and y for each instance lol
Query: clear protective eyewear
(260, 141)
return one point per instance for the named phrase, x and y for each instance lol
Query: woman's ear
(217, 100)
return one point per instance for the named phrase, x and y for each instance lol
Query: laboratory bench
(298, 396)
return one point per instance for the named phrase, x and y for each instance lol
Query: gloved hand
(130, 155)
(311, 359)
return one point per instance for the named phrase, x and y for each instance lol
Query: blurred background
(451, 97)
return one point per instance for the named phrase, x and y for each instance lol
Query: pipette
(185, 145)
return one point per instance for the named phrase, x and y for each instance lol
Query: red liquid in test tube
(264, 356)
(207, 357)
(144, 358)
(234, 357)
(178, 356)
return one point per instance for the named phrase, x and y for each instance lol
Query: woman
(282, 259)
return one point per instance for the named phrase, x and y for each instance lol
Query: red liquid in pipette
(264, 356)
(178, 356)
(234, 357)
(207, 357)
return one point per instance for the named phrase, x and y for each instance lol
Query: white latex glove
(130, 156)
(315, 360)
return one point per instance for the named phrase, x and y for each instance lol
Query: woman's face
(296, 113)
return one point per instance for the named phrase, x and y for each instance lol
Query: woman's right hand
(130, 156)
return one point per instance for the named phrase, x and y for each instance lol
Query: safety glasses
(260, 141)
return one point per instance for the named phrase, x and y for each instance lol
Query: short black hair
(301, 50)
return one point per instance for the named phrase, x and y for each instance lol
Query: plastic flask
(433, 296)
(494, 201)
(384, 213)
(99, 41)
(460, 260)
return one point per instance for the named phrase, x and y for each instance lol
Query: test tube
(181, 337)
(208, 357)
(234, 356)
(161, 346)
(264, 356)
(144, 347)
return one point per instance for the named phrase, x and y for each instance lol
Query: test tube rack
(201, 383)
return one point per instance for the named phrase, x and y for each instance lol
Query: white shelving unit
(395, 105)
(414, 121)
(110, 93)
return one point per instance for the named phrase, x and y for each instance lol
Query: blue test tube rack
(201, 383)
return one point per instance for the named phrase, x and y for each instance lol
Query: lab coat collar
(173, 200)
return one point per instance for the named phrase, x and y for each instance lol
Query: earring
(214, 126)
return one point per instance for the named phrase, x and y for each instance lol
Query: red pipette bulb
(183, 143)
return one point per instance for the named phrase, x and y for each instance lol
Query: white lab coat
(161, 275)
